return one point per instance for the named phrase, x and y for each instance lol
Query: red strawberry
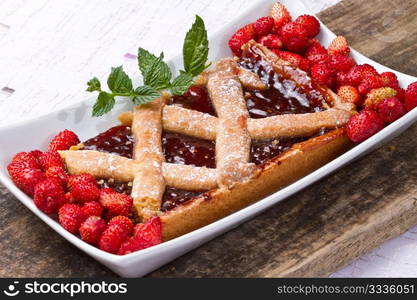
(339, 46)
(315, 59)
(115, 203)
(315, 48)
(92, 208)
(363, 125)
(263, 26)
(310, 23)
(294, 37)
(63, 141)
(323, 74)
(70, 217)
(25, 177)
(411, 96)
(83, 188)
(49, 196)
(400, 92)
(390, 79)
(92, 229)
(116, 232)
(358, 73)
(57, 173)
(342, 78)
(341, 62)
(37, 154)
(377, 95)
(349, 94)
(51, 159)
(241, 37)
(28, 159)
(369, 83)
(271, 41)
(145, 235)
(280, 14)
(295, 59)
(390, 109)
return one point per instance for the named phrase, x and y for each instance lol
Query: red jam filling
(283, 96)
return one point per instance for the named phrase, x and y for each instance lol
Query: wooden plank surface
(313, 233)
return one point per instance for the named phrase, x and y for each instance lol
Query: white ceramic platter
(35, 134)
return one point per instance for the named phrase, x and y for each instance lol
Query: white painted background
(49, 49)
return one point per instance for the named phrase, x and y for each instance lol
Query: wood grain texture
(314, 232)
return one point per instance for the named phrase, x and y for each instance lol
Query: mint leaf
(145, 94)
(118, 81)
(94, 85)
(181, 83)
(155, 71)
(105, 102)
(195, 48)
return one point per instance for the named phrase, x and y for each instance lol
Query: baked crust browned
(277, 173)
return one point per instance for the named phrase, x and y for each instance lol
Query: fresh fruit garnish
(377, 95)
(271, 41)
(280, 14)
(51, 159)
(145, 235)
(411, 96)
(157, 75)
(323, 74)
(263, 26)
(28, 159)
(116, 232)
(83, 188)
(349, 94)
(70, 216)
(363, 125)
(116, 204)
(92, 229)
(49, 196)
(390, 79)
(360, 72)
(63, 141)
(294, 37)
(310, 23)
(241, 37)
(92, 208)
(57, 173)
(25, 176)
(390, 109)
(295, 59)
(339, 46)
(341, 62)
(370, 83)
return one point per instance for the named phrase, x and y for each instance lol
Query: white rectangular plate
(34, 134)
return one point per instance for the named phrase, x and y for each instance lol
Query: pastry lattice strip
(233, 131)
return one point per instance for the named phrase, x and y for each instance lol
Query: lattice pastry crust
(236, 182)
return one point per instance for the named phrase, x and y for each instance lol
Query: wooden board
(313, 233)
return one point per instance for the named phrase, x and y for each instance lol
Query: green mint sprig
(157, 76)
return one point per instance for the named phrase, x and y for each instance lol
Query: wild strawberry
(370, 83)
(241, 37)
(25, 177)
(263, 26)
(70, 217)
(339, 46)
(92, 208)
(63, 141)
(377, 95)
(28, 159)
(310, 23)
(363, 125)
(37, 154)
(49, 196)
(315, 48)
(92, 229)
(411, 96)
(349, 94)
(145, 235)
(316, 59)
(115, 203)
(400, 92)
(116, 232)
(280, 14)
(389, 78)
(51, 159)
(294, 59)
(390, 109)
(360, 72)
(342, 78)
(271, 41)
(323, 74)
(83, 188)
(341, 62)
(294, 37)
(57, 173)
